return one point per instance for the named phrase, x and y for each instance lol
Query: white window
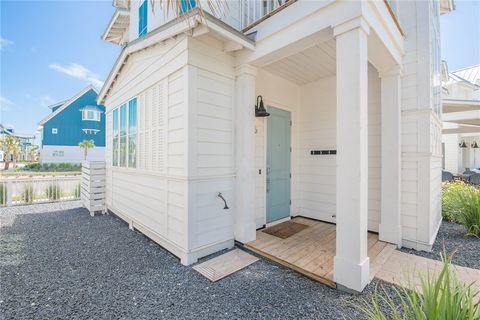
(54, 131)
(91, 115)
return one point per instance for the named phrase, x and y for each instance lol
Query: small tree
(85, 145)
(9, 145)
(32, 152)
(17, 153)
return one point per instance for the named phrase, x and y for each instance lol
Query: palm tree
(85, 145)
(32, 152)
(9, 145)
(17, 152)
(215, 6)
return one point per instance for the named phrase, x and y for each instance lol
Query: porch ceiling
(308, 65)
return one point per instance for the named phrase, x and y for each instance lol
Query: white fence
(38, 189)
(93, 186)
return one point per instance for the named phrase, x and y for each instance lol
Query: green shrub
(76, 192)
(451, 202)
(439, 298)
(3, 193)
(470, 214)
(27, 193)
(53, 191)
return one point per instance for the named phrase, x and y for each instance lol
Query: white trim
(90, 131)
(68, 103)
(190, 21)
(115, 16)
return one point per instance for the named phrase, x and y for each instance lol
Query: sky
(51, 50)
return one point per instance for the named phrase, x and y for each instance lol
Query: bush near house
(438, 298)
(470, 214)
(461, 204)
(52, 167)
(27, 193)
(53, 191)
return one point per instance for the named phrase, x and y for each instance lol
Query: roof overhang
(446, 6)
(462, 130)
(117, 27)
(67, 103)
(195, 23)
(455, 105)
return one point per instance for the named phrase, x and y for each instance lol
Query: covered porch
(331, 148)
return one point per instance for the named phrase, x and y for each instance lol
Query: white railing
(254, 10)
(93, 186)
(16, 191)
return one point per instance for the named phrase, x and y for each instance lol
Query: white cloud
(80, 72)
(4, 43)
(5, 104)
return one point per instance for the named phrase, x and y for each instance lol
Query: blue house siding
(69, 124)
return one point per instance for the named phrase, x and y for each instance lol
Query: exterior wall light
(463, 145)
(475, 145)
(260, 110)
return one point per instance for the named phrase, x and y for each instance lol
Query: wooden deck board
(311, 251)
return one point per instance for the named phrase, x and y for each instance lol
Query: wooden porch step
(292, 266)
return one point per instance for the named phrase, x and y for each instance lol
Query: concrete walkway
(404, 269)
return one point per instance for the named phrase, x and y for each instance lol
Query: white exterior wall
(71, 154)
(185, 147)
(313, 108)
(452, 153)
(421, 129)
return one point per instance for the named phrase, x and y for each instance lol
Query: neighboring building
(25, 141)
(69, 123)
(354, 135)
(461, 120)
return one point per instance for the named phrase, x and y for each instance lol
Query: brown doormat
(285, 229)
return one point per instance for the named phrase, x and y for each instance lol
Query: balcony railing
(255, 11)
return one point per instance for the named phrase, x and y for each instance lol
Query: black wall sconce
(475, 145)
(463, 145)
(260, 110)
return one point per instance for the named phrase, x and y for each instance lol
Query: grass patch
(439, 297)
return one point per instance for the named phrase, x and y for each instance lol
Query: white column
(390, 226)
(351, 263)
(245, 153)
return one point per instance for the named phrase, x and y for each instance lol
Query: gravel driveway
(57, 262)
(465, 249)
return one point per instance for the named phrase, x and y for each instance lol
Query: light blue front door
(278, 164)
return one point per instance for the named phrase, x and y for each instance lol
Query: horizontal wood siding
(154, 194)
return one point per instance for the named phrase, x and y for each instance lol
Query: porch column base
(390, 233)
(245, 232)
(351, 275)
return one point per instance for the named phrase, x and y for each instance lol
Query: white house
(353, 137)
(461, 120)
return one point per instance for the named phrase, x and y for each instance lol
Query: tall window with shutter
(132, 133)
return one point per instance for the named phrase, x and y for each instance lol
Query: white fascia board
(379, 19)
(167, 31)
(66, 104)
(56, 104)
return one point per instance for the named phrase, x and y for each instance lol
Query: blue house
(69, 123)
